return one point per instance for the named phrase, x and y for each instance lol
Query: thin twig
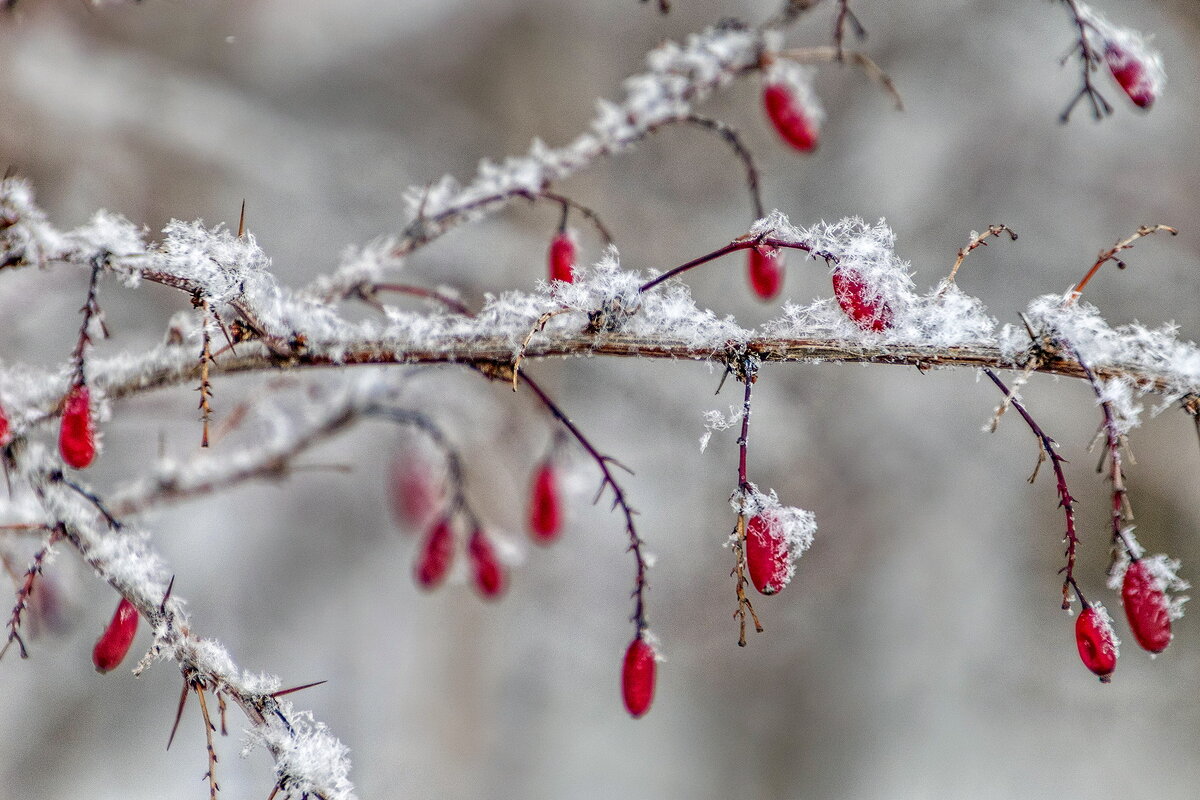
(739, 148)
(1111, 255)
(980, 240)
(1090, 60)
(825, 55)
(1065, 500)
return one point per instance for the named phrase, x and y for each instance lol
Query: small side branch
(1065, 500)
(605, 464)
(25, 592)
(1090, 60)
(980, 240)
(1111, 255)
(739, 148)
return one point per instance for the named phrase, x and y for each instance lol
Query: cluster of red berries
(417, 498)
(1144, 595)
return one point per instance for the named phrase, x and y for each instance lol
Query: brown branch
(980, 240)
(1111, 255)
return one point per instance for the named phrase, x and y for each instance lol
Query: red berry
(637, 677)
(486, 567)
(415, 493)
(1130, 73)
(77, 437)
(1097, 643)
(867, 312)
(5, 434)
(437, 553)
(114, 643)
(545, 508)
(767, 556)
(790, 121)
(562, 258)
(766, 271)
(1146, 608)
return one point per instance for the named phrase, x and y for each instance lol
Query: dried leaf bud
(77, 436)
(486, 568)
(114, 643)
(787, 114)
(545, 506)
(767, 555)
(437, 553)
(765, 268)
(868, 311)
(1098, 645)
(562, 257)
(637, 677)
(1145, 598)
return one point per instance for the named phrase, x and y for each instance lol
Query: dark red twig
(1090, 60)
(28, 584)
(739, 148)
(737, 244)
(605, 464)
(1065, 500)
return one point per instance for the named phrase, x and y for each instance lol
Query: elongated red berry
(486, 568)
(437, 553)
(1096, 641)
(545, 507)
(765, 267)
(5, 434)
(562, 257)
(1131, 73)
(1146, 607)
(114, 643)
(415, 492)
(77, 437)
(637, 677)
(866, 311)
(793, 125)
(766, 555)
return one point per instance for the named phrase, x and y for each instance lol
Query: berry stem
(743, 243)
(619, 499)
(1065, 500)
(731, 136)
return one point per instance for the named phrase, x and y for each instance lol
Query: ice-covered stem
(1090, 60)
(679, 76)
(173, 482)
(605, 464)
(741, 243)
(739, 148)
(1111, 255)
(307, 758)
(1065, 500)
(746, 370)
(25, 591)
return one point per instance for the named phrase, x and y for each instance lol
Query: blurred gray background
(920, 652)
